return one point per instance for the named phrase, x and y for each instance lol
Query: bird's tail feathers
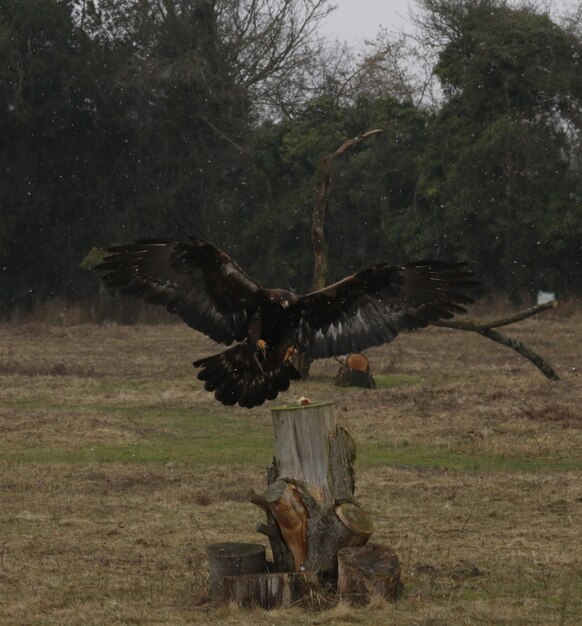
(239, 374)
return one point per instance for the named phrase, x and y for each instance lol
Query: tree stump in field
(309, 501)
(369, 570)
(354, 371)
(312, 522)
(233, 559)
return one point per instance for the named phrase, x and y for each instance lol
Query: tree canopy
(141, 118)
(502, 162)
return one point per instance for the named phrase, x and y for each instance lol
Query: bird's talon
(262, 346)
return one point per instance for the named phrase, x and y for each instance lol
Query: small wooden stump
(369, 570)
(270, 591)
(354, 371)
(233, 559)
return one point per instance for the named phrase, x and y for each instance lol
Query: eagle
(213, 295)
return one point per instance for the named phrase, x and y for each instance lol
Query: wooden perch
(269, 591)
(486, 330)
(311, 511)
(354, 371)
(356, 521)
(312, 519)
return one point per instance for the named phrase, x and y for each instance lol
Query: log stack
(311, 512)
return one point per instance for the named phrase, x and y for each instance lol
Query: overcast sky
(356, 20)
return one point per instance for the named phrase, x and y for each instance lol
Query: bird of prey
(213, 295)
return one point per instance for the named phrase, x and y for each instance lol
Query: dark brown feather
(238, 375)
(198, 282)
(371, 307)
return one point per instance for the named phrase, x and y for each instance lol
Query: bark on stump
(369, 570)
(309, 501)
(233, 559)
(270, 591)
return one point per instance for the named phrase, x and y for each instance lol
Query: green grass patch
(203, 451)
(175, 433)
(382, 453)
(229, 441)
(166, 435)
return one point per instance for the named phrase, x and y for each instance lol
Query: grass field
(117, 470)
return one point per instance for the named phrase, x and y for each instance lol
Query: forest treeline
(124, 119)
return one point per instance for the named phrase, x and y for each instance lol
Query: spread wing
(198, 282)
(370, 308)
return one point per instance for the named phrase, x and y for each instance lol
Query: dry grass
(117, 469)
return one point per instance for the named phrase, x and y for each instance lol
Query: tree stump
(233, 559)
(309, 501)
(369, 570)
(354, 371)
(270, 591)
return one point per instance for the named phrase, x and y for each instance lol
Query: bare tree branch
(486, 330)
(503, 321)
(323, 182)
(225, 137)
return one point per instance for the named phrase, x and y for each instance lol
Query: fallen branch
(486, 330)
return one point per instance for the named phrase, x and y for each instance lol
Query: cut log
(270, 591)
(354, 378)
(311, 511)
(354, 371)
(286, 506)
(233, 559)
(357, 521)
(369, 570)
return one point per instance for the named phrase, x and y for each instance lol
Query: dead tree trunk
(309, 501)
(322, 185)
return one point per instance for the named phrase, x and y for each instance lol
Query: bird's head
(281, 297)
